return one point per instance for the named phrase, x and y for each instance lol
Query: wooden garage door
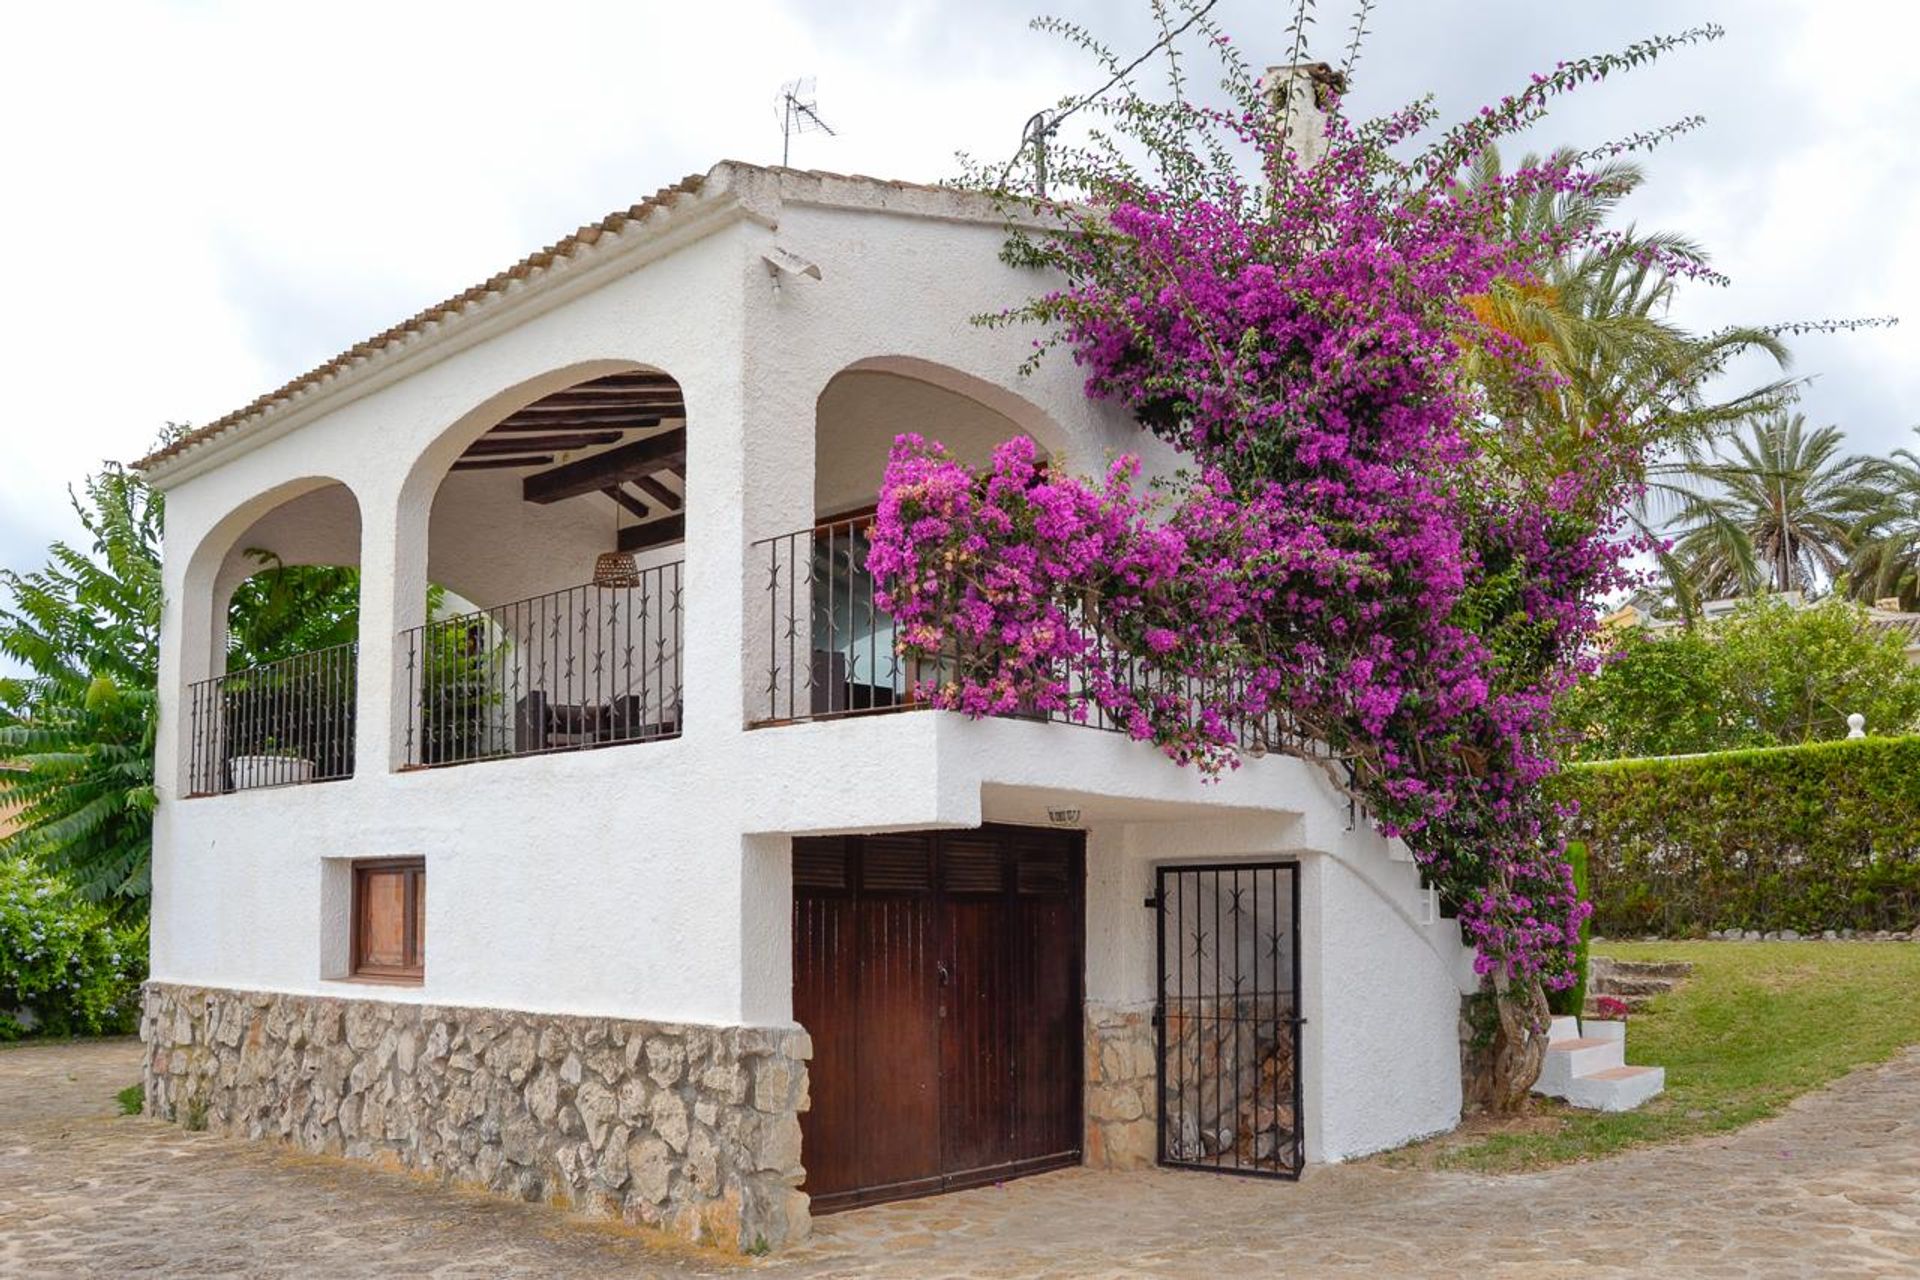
(939, 974)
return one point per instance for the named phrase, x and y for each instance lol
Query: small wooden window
(390, 920)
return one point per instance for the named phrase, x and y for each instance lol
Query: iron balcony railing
(585, 667)
(830, 648)
(276, 724)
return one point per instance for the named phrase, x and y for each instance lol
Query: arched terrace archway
(560, 519)
(274, 591)
(831, 645)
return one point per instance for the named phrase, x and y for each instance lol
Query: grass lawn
(1758, 1024)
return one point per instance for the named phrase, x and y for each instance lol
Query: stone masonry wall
(690, 1129)
(1120, 1087)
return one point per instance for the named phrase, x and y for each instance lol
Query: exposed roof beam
(654, 489)
(654, 533)
(602, 470)
(558, 442)
(633, 506)
(625, 420)
(621, 382)
(588, 395)
(489, 464)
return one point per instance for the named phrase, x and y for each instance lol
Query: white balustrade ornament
(1856, 725)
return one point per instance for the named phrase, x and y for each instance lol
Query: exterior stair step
(1619, 1088)
(1646, 968)
(1620, 985)
(1566, 1060)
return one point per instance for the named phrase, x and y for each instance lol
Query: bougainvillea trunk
(1519, 1042)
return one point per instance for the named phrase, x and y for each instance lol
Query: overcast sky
(207, 198)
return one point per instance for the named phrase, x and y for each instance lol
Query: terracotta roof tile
(524, 269)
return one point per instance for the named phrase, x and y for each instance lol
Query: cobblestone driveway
(1833, 1187)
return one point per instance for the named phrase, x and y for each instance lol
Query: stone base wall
(694, 1130)
(1121, 1083)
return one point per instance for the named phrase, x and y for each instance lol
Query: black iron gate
(1228, 1014)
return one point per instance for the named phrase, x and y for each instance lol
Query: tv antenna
(799, 113)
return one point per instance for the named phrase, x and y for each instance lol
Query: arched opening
(279, 584)
(832, 645)
(557, 530)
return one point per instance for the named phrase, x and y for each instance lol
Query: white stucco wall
(651, 880)
(1380, 984)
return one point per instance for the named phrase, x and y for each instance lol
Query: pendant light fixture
(616, 570)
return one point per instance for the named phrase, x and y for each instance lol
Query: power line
(1043, 124)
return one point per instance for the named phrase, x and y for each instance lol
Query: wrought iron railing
(830, 649)
(276, 724)
(585, 667)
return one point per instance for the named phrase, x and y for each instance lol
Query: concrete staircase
(1633, 982)
(1586, 1065)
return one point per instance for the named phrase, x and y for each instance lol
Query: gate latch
(1152, 904)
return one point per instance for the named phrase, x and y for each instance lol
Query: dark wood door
(940, 977)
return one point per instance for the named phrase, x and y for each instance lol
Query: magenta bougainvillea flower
(1354, 569)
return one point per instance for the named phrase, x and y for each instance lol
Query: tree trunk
(1520, 1043)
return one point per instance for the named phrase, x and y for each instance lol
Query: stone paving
(1830, 1188)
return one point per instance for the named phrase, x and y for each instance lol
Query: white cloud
(207, 198)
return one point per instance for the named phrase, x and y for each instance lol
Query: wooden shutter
(390, 920)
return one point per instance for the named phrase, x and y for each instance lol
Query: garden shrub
(1823, 836)
(64, 962)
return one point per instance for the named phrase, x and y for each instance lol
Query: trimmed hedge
(1823, 836)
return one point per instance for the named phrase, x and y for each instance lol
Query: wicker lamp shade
(616, 569)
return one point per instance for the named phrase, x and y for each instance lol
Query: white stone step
(1564, 1028)
(1397, 849)
(1619, 1088)
(1569, 1059)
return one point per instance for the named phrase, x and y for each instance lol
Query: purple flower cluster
(1353, 553)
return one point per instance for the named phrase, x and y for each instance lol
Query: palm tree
(1887, 560)
(1780, 509)
(1598, 320)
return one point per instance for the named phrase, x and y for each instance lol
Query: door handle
(940, 968)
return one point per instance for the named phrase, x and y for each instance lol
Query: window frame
(413, 972)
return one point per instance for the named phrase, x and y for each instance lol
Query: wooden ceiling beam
(659, 492)
(618, 380)
(624, 419)
(626, 403)
(632, 505)
(611, 393)
(654, 533)
(559, 442)
(652, 404)
(615, 466)
(489, 464)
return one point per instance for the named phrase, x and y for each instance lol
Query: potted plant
(269, 765)
(1611, 1024)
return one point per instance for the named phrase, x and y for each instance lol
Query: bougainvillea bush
(1368, 561)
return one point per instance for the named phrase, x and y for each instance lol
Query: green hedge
(1824, 836)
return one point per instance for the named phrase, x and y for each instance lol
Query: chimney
(1303, 96)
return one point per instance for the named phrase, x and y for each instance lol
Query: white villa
(660, 897)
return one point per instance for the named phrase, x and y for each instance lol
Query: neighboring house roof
(1904, 625)
(1880, 616)
(7, 811)
(656, 212)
